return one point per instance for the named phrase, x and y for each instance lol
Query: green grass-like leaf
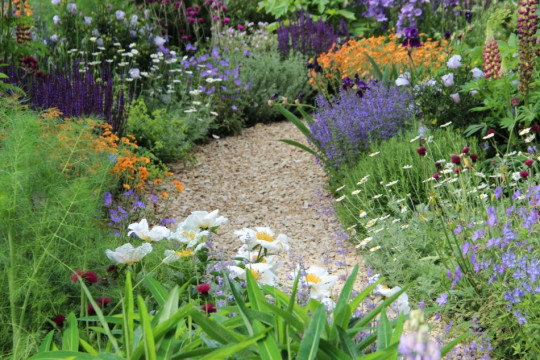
(309, 346)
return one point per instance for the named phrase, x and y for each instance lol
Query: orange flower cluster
(21, 7)
(350, 59)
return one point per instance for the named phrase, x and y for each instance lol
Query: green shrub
(165, 134)
(389, 185)
(270, 75)
(50, 189)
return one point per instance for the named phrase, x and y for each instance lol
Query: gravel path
(255, 181)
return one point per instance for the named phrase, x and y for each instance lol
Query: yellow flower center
(185, 252)
(255, 274)
(312, 278)
(264, 236)
(145, 237)
(130, 262)
(189, 234)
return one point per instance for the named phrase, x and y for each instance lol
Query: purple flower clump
(346, 126)
(309, 37)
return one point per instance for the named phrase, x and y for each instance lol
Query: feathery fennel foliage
(50, 190)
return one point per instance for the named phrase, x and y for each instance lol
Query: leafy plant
(269, 324)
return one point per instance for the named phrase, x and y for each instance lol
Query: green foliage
(167, 135)
(270, 325)
(269, 75)
(241, 11)
(392, 187)
(51, 187)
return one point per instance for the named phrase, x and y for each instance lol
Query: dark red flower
(91, 310)
(438, 165)
(514, 101)
(474, 157)
(465, 150)
(59, 320)
(490, 131)
(421, 151)
(203, 288)
(241, 27)
(103, 301)
(524, 174)
(436, 176)
(529, 162)
(456, 159)
(535, 128)
(209, 308)
(457, 170)
(90, 277)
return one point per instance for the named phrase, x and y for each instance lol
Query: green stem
(11, 281)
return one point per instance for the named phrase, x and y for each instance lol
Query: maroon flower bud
(91, 310)
(529, 162)
(421, 151)
(524, 174)
(203, 288)
(456, 159)
(490, 131)
(535, 128)
(209, 308)
(438, 165)
(474, 157)
(436, 176)
(465, 150)
(457, 170)
(59, 320)
(514, 101)
(103, 301)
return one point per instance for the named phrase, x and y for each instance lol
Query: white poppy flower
(142, 231)
(204, 220)
(264, 237)
(159, 41)
(262, 272)
(320, 283)
(189, 236)
(129, 255)
(454, 62)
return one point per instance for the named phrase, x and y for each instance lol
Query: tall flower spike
(527, 27)
(492, 59)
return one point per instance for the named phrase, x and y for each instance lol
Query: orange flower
(164, 194)
(157, 181)
(126, 186)
(179, 185)
(168, 173)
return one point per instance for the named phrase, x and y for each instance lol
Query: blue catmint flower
(442, 300)
(107, 199)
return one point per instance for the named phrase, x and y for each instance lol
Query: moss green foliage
(167, 135)
(50, 189)
(271, 75)
(410, 236)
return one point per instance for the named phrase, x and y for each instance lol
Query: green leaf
(268, 349)
(295, 120)
(347, 344)
(256, 297)
(170, 307)
(240, 301)
(346, 14)
(298, 145)
(127, 316)
(291, 320)
(309, 345)
(159, 292)
(70, 338)
(228, 350)
(305, 115)
(47, 341)
(321, 6)
(384, 332)
(148, 334)
(446, 348)
(215, 330)
(62, 355)
(342, 311)
(376, 67)
(398, 329)
(167, 345)
(332, 352)
(87, 347)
